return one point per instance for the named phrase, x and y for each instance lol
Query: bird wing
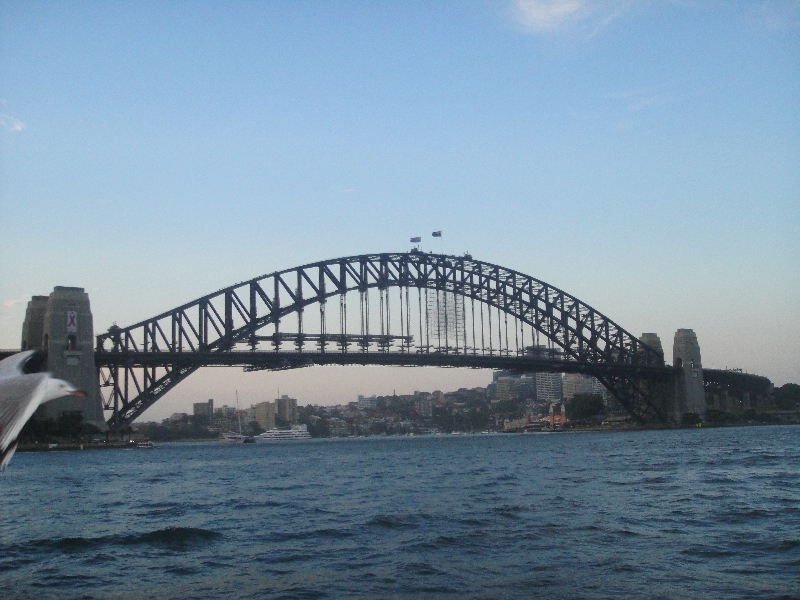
(5, 455)
(19, 398)
(12, 366)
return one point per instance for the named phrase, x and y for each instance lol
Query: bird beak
(80, 393)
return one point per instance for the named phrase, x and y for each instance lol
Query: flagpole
(441, 241)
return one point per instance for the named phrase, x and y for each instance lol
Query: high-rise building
(506, 389)
(548, 387)
(367, 402)
(265, 415)
(226, 418)
(424, 406)
(204, 409)
(286, 408)
(578, 383)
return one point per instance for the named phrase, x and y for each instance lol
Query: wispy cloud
(7, 307)
(639, 99)
(626, 109)
(547, 16)
(11, 123)
(10, 303)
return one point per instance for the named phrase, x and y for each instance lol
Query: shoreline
(77, 446)
(69, 446)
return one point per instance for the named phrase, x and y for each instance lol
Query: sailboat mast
(238, 412)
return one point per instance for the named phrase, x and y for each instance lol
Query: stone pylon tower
(690, 394)
(61, 325)
(652, 340)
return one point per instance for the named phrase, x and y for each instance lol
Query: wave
(707, 552)
(397, 522)
(508, 512)
(442, 541)
(171, 537)
(304, 535)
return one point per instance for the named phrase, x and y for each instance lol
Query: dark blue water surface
(711, 513)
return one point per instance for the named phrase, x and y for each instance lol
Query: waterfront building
(515, 424)
(558, 414)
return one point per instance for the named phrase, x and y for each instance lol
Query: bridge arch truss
(393, 309)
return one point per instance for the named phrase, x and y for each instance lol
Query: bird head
(58, 388)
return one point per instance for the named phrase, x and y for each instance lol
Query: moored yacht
(238, 438)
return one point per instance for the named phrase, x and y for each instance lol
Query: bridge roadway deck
(292, 360)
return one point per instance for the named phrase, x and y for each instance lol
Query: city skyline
(642, 156)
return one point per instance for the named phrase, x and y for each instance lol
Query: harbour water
(712, 513)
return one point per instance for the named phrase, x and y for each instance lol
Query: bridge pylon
(689, 392)
(61, 326)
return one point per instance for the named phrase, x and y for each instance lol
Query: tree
(69, 423)
(787, 397)
(442, 419)
(513, 409)
(478, 418)
(253, 428)
(584, 406)
(315, 419)
(39, 430)
(690, 419)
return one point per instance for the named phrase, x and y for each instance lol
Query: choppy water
(668, 514)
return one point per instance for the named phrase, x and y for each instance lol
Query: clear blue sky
(642, 155)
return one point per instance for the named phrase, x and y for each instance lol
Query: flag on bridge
(416, 240)
(437, 234)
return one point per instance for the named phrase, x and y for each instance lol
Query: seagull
(21, 394)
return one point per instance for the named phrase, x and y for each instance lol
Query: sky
(642, 155)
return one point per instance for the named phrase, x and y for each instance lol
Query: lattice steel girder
(522, 364)
(217, 322)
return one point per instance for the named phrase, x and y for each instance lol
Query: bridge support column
(689, 391)
(61, 325)
(658, 389)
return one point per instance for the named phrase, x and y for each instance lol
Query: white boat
(147, 444)
(297, 432)
(232, 438)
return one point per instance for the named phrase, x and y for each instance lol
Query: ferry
(147, 444)
(297, 432)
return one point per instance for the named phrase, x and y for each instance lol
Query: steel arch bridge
(432, 310)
